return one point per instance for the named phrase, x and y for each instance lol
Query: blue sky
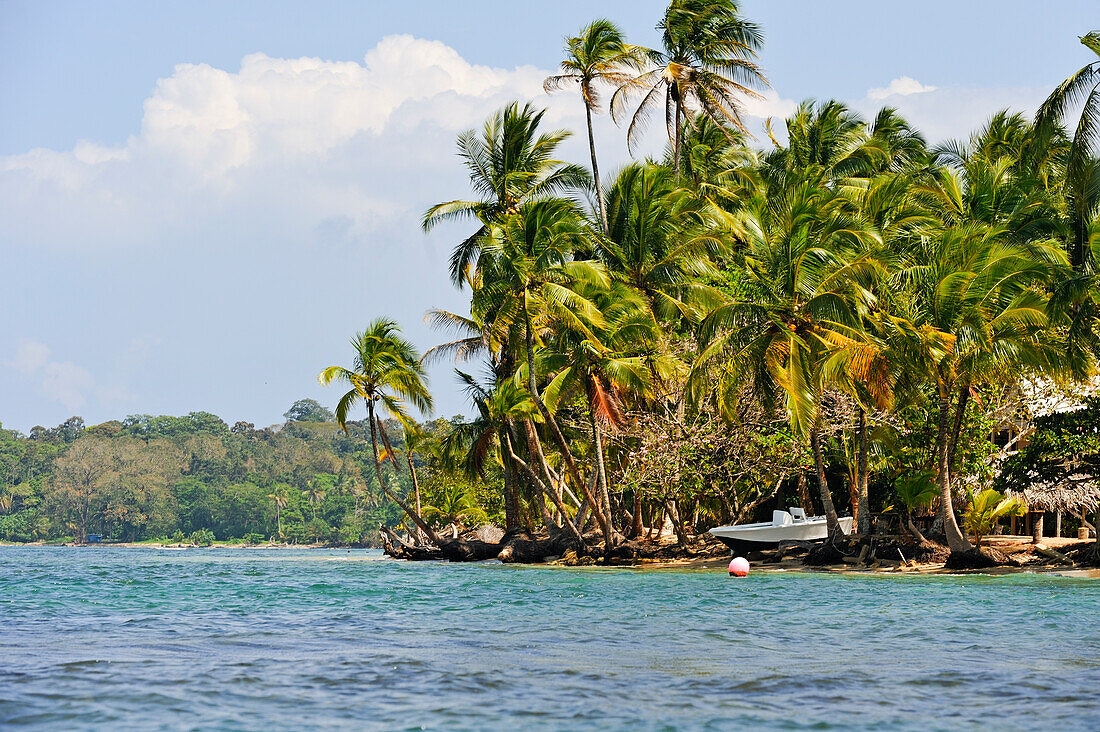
(201, 201)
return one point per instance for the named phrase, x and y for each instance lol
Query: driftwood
(479, 545)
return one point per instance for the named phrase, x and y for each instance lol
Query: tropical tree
(531, 266)
(1074, 297)
(278, 497)
(706, 66)
(598, 56)
(805, 262)
(915, 491)
(986, 508)
(659, 243)
(386, 375)
(314, 495)
(510, 163)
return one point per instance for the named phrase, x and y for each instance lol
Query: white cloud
(771, 105)
(902, 87)
(955, 112)
(61, 381)
(294, 134)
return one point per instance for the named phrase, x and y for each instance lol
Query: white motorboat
(792, 525)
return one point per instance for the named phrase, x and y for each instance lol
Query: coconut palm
(606, 363)
(314, 496)
(915, 491)
(598, 56)
(280, 500)
(386, 375)
(510, 163)
(529, 266)
(474, 445)
(806, 259)
(455, 504)
(1083, 88)
(658, 242)
(1074, 300)
(706, 66)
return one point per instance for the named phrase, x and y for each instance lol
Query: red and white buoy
(739, 567)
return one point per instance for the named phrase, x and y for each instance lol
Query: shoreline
(703, 563)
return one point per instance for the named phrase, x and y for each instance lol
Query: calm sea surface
(273, 639)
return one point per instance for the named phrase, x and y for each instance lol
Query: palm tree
(279, 497)
(455, 504)
(314, 495)
(661, 242)
(386, 375)
(1074, 297)
(530, 264)
(606, 363)
(1083, 87)
(598, 55)
(510, 163)
(973, 307)
(480, 442)
(706, 64)
(915, 491)
(805, 261)
(986, 509)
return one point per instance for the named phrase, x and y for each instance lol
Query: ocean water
(273, 639)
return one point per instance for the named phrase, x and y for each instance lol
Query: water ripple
(220, 639)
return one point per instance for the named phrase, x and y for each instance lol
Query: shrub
(202, 537)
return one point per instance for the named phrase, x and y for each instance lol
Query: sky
(201, 202)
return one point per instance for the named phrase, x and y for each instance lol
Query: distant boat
(791, 525)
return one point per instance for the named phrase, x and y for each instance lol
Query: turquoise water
(259, 639)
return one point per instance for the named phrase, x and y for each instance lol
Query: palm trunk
(912, 527)
(511, 503)
(415, 516)
(554, 496)
(567, 456)
(804, 499)
(1037, 528)
(595, 168)
(831, 519)
(956, 542)
(416, 491)
(636, 525)
(601, 471)
(960, 414)
(863, 516)
(676, 142)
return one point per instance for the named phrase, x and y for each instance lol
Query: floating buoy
(739, 567)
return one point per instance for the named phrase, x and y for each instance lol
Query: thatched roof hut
(1074, 493)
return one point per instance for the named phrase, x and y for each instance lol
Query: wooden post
(1058, 524)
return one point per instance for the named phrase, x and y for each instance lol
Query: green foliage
(202, 537)
(986, 508)
(308, 410)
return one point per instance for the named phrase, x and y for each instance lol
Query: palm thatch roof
(1074, 492)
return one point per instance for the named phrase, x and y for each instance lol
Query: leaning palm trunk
(414, 515)
(831, 519)
(956, 542)
(567, 456)
(543, 488)
(416, 491)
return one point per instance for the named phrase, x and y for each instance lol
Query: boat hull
(758, 536)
